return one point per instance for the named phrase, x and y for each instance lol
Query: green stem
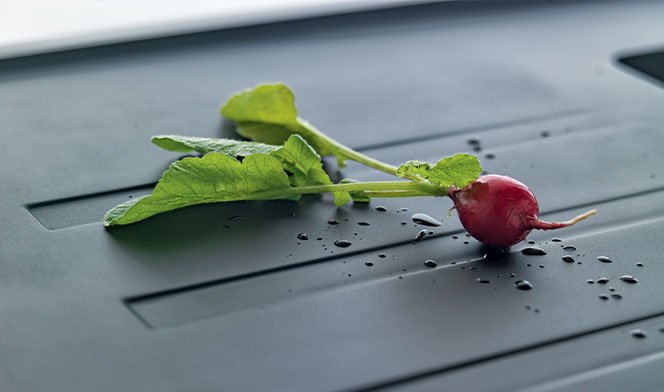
(375, 186)
(393, 194)
(350, 153)
(372, 189)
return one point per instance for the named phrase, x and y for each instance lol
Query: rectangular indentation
(81, 210)
(651, 64)
(85, 209)
(265, 288)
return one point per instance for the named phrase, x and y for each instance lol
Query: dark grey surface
(193, 300)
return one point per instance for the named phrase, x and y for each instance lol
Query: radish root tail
(543, 225)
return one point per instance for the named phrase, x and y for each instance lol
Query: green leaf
(457, 170)
(265, 103)
(299, 158)
(296, 156)
(267, 114)
(264, 132)
(204, 145)
(214, 177)
(358, 196)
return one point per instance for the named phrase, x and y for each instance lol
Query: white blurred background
(34, 26)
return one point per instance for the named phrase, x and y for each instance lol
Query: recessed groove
(593, 203)
(162, 296)
(58, 214)
(268, 271)
(395, 244)
(476, 129)
(496, 356)
(80, 210)
(596, 373)
(645, 65)
(362, 172)
(89, 196)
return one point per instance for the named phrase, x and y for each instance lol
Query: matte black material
(226, 297)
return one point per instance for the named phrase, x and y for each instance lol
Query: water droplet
(602, 280)
(533, 251)
(333, 222)
(342, 243)
(237, 217)
(473, 268)
(467, 235)
(512, 275)
(431, 264)
(368, 264)
(489, 156)
(568, 259)
(590, 281)
(419, 235)
(363, 223)
(629, 279)
(531, 242)
(404, 223)
(303, 236)
(425, 220)
(545, 134)
(319, 239)
(556, 239)
(455, 237)
(639, 264)
(603, 297)
(661, 329)
(477, 148)
(483, 281)
(638, 334)
(604, 259)
(523, 285)
(466, 242)
(473, 142)
(612, 289)
(381, 208)
(403, 209)
(569, 248)
(382, 256)
(616, 296)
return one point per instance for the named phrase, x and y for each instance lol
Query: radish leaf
(267, 114)
(296, 156)
(204, 145)
(457, 170)
(212, 178)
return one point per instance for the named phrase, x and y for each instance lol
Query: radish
(500, 211)
(283, 162)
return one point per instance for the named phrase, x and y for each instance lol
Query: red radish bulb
(500, 211)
